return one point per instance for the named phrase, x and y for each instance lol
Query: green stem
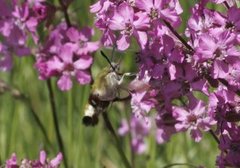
(38, 121)
(214, 136)
(151, 161)
(55, 121)
(70, 118)
(18, 95)
(64, 9)
(178, 35)
(180, 164)
(118, 145)
(226, 4)
(130, 140)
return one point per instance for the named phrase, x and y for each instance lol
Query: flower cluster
(192, 83)
(40, 163)
(66, 54)
(132, 19)
(18, 22)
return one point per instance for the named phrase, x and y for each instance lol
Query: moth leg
(122, 98)
(124, 75)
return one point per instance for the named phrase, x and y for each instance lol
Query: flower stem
(178, 36)
(70, 124)
(19, 95)
(56, 124)
(118, 145)
(66, 16)
(131, 147)
(226, 4)
(214, 136)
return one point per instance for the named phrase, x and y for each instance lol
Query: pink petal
(158, 4)
(142, 21)
(93, 46)
(220, 70)
(141, 38)
(196, 135)
(117, 22)
(89, 47)
(54, 64)
(66, 53)
(144, 4)
(83, 62)
(180, 127)
(43, 157)
(65, 83)
(126, 12)
(95, 7)
(73, 34)
(56, 161)
(83, 77)
(123, 43)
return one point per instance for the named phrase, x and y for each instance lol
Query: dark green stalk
(178, 35)
(226, 4)
(55, 121)
(25, 99)
(118, 145)
(214, 136)
(130, 141)
(39, 123)
(66, 16)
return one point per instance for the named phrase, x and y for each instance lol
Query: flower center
(218, 54)
(129, 29)
(82, 44)
(153, 13)
(69, 67)
(192, 118)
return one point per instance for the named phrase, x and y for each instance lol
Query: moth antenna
(113, 53)
(104, 55)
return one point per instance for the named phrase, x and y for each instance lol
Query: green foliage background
(86, 147)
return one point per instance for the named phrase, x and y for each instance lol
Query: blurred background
(85, 147)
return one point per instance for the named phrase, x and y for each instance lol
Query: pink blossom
(129, 23)
(138, 129)
(81, 40)
(195, 119)
(12, 162)
(66, 55)
(166, 9)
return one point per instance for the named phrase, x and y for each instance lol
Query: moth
(104, 90)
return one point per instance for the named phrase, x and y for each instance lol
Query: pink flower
(81, 40)
(5, 58)
(217, 52)
(234, 18)
(195, 119)
(66, 55)
(12, 162)
(69, 66)
(129, 23)
(138, 129)
(166, 9)
(140, 103)
(41, 163)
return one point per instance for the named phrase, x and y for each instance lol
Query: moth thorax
(113, 79)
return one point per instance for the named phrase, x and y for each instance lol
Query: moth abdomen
(90, 120)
